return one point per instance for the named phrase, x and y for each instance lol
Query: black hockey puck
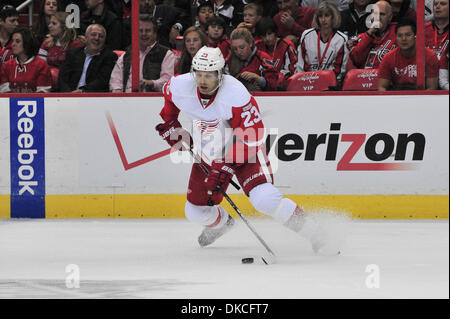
(248, 260)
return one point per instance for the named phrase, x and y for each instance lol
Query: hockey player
(225, 118)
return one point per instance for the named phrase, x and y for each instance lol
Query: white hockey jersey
(333, 53)
(232, 111)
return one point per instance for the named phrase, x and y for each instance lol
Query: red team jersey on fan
(33, 76)
(6, 53)
(403, 71)
(223, 44)
(217, 120)
(438, 42)
(261, 63)
(284, 55)
(370, 50)
(333, 53)
(55, 55)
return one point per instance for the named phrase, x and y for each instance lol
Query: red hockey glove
(174, 135)
(219, 173)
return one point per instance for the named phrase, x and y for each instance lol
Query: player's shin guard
(215, 219)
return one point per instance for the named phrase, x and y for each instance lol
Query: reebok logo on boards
(27, 148)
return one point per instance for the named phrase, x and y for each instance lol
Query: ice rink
(153, 258)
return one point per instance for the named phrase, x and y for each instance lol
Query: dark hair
(148, 18)
(30, 45)
(215, 20)
(204, 3)
(8, 11)
(265, 25)
(404, 22)
(40, 28)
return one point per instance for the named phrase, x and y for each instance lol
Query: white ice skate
(210, 235)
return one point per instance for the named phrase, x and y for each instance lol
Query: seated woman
(61, 38)
(254, 68)
(323, 47)
(194, 39)
(26, 73)
(40, 27)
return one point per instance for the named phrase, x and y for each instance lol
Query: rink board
(374, 156)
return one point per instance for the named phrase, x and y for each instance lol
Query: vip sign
(27, 149)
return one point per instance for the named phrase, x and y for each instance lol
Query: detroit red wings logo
(206, 128)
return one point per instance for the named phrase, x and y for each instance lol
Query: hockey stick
(268, 259)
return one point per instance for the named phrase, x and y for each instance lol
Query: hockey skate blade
(269, 259)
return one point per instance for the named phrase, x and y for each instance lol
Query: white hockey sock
(208, 216)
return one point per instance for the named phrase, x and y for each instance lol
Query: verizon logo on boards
(380, 151)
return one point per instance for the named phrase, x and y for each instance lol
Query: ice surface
(153, 258)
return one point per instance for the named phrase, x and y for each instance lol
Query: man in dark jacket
(88, 69)
(98, 13)
(171, 21)
(355, 18)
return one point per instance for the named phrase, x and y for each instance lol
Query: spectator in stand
(122, 9)
(252, 67)
(293, 20)
(98, 13)
(270, 9)
(156, 65)
(205, 11)
(88, 69)
(9, 21)
(26, 73)
(323, 47)
(398, 70)
(376, 42)
(443, 71)
(194, 39)
(221, 8)
(60, 39)
(354, 19)
(40, 28)
(172, 21)
(216, 35)
(282, 51)
(224, 9)
(401, 9)
(436, 31)
(80, 3)
(252, 15)
(428, 9)
(342, 5)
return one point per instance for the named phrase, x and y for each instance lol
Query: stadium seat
(361, 80)
(311, 81)
(119, 53)
(54, 72)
